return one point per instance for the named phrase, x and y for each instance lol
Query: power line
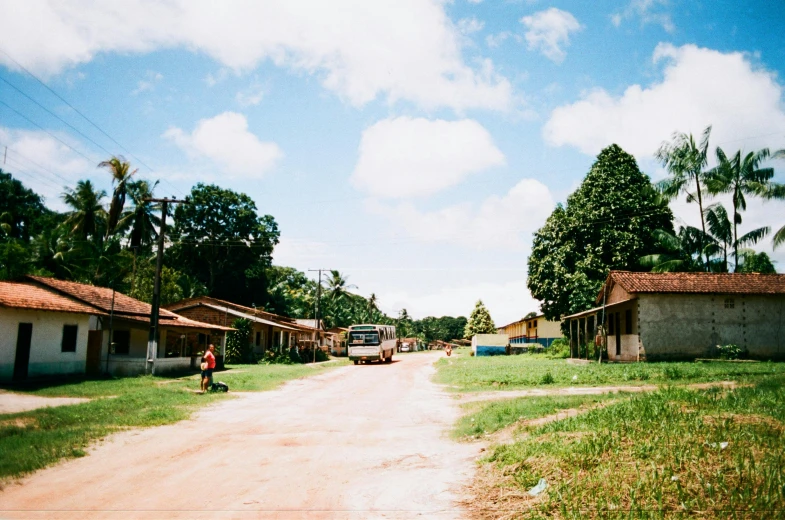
(33, 162)
(45, 130)
(56, 116)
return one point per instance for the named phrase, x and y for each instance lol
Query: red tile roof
(99, 301)
(22, 295)
(721, 283)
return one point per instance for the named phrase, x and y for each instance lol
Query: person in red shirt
(208, 364)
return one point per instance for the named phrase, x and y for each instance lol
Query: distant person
(208, 365)
(448, 349)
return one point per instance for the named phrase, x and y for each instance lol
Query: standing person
(209, 366)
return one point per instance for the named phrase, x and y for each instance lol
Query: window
(258, 339)
(730, 303)
(122, 341)
(535, 323)
(69, 338)
(628, 321)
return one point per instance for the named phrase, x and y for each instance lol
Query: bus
(371, 343)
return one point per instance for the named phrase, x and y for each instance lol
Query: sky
(413, 145)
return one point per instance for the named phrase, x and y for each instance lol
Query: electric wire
(15, 151)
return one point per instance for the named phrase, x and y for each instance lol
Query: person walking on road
(208, 365)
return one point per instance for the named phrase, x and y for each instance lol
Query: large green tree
(221, 240)
(609, 222)
(480, 321)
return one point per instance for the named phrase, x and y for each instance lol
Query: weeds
(660, 455)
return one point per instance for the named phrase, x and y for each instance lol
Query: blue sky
(413, 144)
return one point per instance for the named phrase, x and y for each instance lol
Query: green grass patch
(465, 373)
(659, 455)
(489, 417)
(32, 440)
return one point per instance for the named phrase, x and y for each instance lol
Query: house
(339, 341)
(655, 316)
(59, 327)
(532, 329)
(268, 331)
(325, 338)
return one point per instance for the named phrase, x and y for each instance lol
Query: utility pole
(317, 305)
(152, 340)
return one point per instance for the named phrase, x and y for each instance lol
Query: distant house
(490, 344)
(339, 341)
(657, 316)
(534, 329)
(58, 327)
(268, 331)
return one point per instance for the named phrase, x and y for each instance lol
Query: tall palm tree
(87, 215)
(777, 191)
(337, 286)
(740, 176)
(120, 169)
(685, 160)
(681, 250)
(141, 221)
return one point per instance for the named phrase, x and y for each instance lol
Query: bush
(547, 379)
(321, 355)
(560, 349)
(238, 346)
(272, 357)
(731, 351)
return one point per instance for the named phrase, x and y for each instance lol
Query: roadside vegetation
(487, 418)
(463, 373)
(672, 453)
(120, 404)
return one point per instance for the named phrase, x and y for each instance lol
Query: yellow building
(535, 329)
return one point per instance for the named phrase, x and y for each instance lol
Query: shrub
(672, 373)
(547, 379)
(731, 351)
(238, 346)
(320, 355)
(560, 348)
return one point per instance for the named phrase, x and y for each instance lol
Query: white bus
(371, 343)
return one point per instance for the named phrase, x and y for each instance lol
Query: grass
(486, 418)
(465, 374)
(656, 455)
(33, 440)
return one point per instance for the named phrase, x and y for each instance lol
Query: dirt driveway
(357, 442)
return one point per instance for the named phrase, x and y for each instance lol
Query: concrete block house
(53, 327)
(657, 316)
(535, 329)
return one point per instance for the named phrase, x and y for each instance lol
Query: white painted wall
(46, 357)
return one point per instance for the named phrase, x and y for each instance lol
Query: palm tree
(680, 251)
(142, 220)
(685, 161)
(724, 238)
(777, 191)
(121, 175)
(88, 214)
(740, 176)
(337, 285)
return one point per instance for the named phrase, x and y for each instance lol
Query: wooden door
(94, 340)
(22, 359)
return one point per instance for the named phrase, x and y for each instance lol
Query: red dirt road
(357, 442)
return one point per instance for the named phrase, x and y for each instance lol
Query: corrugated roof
(22, 295)
(722, 283)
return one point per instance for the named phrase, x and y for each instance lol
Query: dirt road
(356, 442)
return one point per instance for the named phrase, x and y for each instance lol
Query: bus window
(364, 338)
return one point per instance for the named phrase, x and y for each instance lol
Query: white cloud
(251, 96)
(42, 163)
(151, 78)
(406, 157)
(648, 11)
(225, 140)
(495, 40)
(549, 30)
(404, 49)
(470, 25)
(700, 87)
(506, 301)
(500, 222)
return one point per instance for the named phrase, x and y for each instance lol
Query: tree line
(617, 219)
(217, 244)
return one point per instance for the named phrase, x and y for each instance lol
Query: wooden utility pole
(317, 305)
(152, 340)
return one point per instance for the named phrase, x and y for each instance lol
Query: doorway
(23, 339)
(618, 334)
(94, 340)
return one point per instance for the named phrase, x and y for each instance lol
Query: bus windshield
(364, 338)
